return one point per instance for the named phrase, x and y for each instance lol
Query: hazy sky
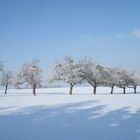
(107, 30)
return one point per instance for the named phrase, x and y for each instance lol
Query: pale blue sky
(107, 30)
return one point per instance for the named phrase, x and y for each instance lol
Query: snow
(55, 115)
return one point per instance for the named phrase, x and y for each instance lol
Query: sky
(106, 30)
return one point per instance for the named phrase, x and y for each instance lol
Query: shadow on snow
(79, 121)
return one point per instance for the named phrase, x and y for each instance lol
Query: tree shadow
(75, 121)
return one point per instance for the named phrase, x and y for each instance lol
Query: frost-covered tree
(134, 81)
(91, 73)
(123, 78)
(1, 66)
(110, 77)
(31, 74)
(6, 80)
(67, 70)
(1, 70)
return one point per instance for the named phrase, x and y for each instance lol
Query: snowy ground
(55, 115)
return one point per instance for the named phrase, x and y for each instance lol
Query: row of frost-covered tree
(76, 72)
(72, 72)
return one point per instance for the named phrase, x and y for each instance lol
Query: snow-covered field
(55, 115)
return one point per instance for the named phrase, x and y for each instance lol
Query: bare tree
(67, 70)
(6, 79)
(30, 73)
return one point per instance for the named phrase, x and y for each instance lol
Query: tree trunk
(71, 89)
(94, 89)
(124, 90)
(112, 88)
(135, 89)
(34, 89)
(6, 87)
